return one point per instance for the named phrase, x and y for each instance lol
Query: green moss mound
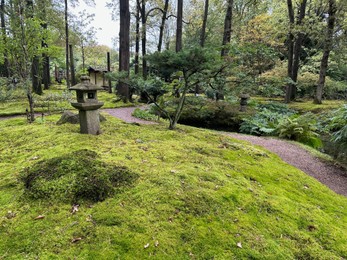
(79, 175)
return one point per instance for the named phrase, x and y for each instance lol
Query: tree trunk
(124, 47)
(137, 39)
(45, 58)
(72, 66)
(290, 43)
(227, 28)
(294, 60)
(179, 28)
(35, 76)
(204, 23)
(327, 49)
(67, 46)
(109, 70)
(162, 25)
(144, 39)
(5, 71)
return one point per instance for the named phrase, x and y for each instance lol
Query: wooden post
(109, 70)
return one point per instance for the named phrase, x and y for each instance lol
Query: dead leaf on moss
(76, 239)
(156, 243)
(239, 245)
(74, 209)
(146, 246)
(39, 217)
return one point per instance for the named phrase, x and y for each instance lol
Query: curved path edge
(333, 176)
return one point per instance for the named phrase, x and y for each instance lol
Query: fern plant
(300, 128)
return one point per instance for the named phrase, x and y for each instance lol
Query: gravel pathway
(330, 175)
(124, 113)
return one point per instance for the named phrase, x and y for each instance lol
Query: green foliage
(144, 114)
(300, 128)
(203, 112)
(265, 121)
(75, 176)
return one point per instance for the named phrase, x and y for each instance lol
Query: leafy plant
(144, 114)
(265, 121)
(300, 128)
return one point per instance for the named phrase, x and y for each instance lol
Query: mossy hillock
(194, 194)
(75, 176)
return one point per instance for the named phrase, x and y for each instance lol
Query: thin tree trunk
(67, 46)
(162, 25)
(144, 39)
(179, 28)
(204, 23)
(294, 60)
(35, 74)
(109, 70)
(5, 71)
(227, 28)
(327, 49)
(137, 39)
(83, 57)
(290, 43)
(124, 47)
(45, 58)
(72, 66)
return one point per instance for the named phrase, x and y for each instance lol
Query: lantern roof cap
(85, 85)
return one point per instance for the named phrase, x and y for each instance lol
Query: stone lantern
(243, 102)
(88, 105)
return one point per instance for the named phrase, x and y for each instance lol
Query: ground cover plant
(198, 194)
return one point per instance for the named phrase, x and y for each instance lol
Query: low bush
(266, 120)
(144, 114)
(76, 176)
(202, 112)
(300, 128)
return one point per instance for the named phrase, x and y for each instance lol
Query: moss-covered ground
(197, 195)
(54, 100)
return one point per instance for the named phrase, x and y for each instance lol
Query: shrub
(300, 128)
(265, 121)
(199, 111)
(144, 114)
(75, 176)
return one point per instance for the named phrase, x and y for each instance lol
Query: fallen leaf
(74, 209)
(76, 239)
(239, 245)
(10, 214)
(146, 246)
(39, 217)
(156, 243)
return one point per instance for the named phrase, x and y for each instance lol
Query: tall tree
(328, 44)
(124, 45)
(227, 28)
(162, 25)
(204, 24)
(137, 39)
(67, 45)
(294, 48)
(5, 67)
(179, 25)
(144, 37)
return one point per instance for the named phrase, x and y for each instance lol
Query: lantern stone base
(89, 122)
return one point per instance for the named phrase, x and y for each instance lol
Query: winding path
(330, 175)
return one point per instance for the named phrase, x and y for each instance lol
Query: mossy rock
(76, 176)
(72, 118)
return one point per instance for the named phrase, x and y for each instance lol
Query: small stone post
(243, 102)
